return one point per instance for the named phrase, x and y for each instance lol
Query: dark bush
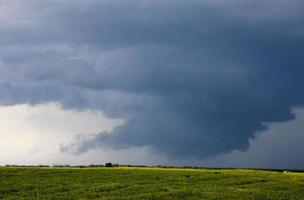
(108, 164)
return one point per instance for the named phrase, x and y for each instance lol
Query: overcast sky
(177, 82)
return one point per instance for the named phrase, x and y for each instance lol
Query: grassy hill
(148, 183)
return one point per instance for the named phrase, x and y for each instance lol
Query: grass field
(148, 183)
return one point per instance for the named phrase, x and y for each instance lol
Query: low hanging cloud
(191, 78)
(278, 147)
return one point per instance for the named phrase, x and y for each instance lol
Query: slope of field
(148, 183)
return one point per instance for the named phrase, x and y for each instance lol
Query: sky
(214, 83)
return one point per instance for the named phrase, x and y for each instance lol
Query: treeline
(156, 166)
(75, 166)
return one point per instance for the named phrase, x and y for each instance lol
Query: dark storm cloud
(192, 78)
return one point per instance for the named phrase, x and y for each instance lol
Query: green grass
(148, 183)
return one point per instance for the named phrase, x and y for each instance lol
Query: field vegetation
(147, 183)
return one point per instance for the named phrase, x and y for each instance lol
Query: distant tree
(108, 164)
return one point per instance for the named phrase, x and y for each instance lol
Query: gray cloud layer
(278, 147)
(192, 78)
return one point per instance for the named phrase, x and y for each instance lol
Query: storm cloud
(191, 78)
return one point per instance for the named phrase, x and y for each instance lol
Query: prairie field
(148, 183)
